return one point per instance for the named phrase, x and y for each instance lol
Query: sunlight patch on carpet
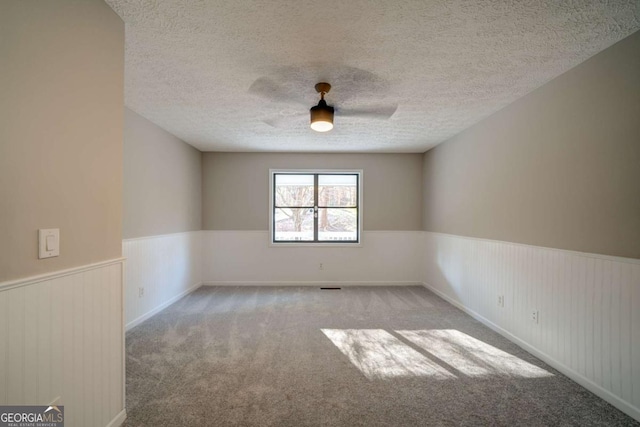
(378, 354)
(471, 356)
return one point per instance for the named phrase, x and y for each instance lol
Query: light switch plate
(52, 237)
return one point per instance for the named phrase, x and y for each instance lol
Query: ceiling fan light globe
(321, 126)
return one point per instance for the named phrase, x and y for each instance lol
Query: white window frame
(346, 244)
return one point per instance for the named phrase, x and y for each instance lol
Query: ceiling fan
(321, 115)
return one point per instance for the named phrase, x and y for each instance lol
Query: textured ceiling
(446, 64)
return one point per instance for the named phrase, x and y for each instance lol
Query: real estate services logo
(31, 416)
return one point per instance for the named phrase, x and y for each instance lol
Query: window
(315, 207)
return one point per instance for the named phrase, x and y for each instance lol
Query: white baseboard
(311, 283)
(118, 419)
(625, 407)
(161, 307)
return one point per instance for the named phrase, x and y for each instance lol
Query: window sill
(315, 245)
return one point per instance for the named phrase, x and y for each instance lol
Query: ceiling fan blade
(380, 112)
(267, 88)
(282, 122)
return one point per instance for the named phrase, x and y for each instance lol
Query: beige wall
(162, 181)
(61, 120)
(558, 168)
(236, 187)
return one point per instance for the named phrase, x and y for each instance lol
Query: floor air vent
(331, 289)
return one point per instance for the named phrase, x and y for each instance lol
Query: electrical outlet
(321, 266)
(501, 301)
(140, 292)
(535, 316)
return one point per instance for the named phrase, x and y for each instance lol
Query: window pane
(338, 190)
(293, 224)
(338, 224)
(294, 190)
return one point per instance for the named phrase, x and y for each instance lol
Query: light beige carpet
(360, 356)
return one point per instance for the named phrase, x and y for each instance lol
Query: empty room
(367, 213)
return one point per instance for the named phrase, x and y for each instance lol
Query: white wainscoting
(62, 341)
(588, 305)
(245, 257)
(166, 266)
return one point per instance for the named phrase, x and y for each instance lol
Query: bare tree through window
(315, 207)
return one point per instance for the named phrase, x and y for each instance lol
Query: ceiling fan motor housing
(322, 113)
